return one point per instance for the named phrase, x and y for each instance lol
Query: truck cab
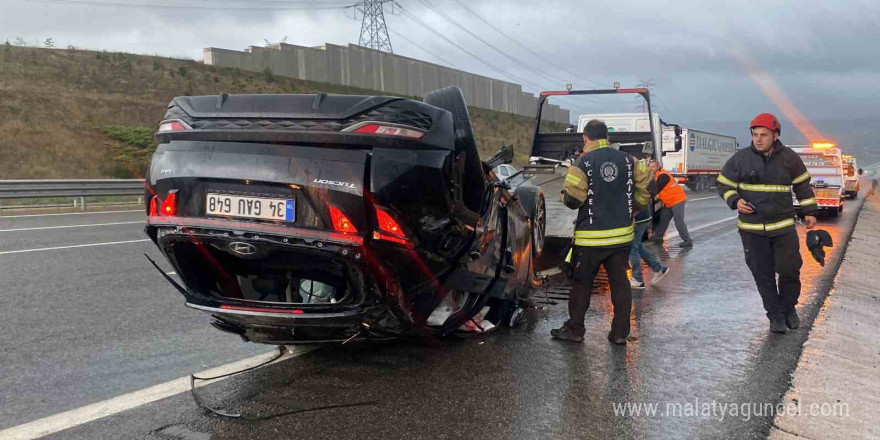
(824, 162)
(850, 176)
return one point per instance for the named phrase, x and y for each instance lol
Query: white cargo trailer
(698, 160)
(624, 123)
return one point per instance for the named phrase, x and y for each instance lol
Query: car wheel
(452, 100)
(515, 317)
(539, 227)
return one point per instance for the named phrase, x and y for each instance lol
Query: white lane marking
(171, 273)
(703, 198)
(70, 226)
(86, 414)
(675, 234)
(69, 213)
(73, 247)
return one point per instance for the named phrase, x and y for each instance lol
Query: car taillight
(391, 130)
(167, 126)
(169, 206)
(341, 223)
(154, 206)
(389, 229)
(387, 223)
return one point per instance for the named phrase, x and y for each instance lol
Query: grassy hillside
(87, 114)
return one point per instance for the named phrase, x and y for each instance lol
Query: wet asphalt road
(112, 326)
(81, 325)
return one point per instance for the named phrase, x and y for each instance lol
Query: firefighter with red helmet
(757, 182)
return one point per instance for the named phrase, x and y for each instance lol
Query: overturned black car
(296, 219)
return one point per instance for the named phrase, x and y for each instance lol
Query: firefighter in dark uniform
(757, 181)
(607, 187)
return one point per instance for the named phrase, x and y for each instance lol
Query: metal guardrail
(75, 188)
(29, 189)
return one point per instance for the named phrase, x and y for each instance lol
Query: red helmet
(767, 121)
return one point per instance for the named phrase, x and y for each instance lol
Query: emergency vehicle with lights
(851, 174)
(824, 161)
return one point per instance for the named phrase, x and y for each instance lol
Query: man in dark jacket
(757, 181)
(607, 187)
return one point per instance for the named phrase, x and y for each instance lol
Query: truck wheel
(451, 99)
(834, 212)
(704, 183)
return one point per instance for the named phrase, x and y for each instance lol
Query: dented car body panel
(297, 219)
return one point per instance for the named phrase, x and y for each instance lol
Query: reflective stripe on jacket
(767, 181)
(602, 184)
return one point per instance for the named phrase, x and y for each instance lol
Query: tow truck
(553, 152)
(825, 163)
(850, 178)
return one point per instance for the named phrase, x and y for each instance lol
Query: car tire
(452, 100)
(516, 317)
(539, 226)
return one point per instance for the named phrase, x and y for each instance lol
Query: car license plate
(250, 207)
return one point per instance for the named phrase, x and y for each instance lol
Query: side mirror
(677, 131)
(861, 171)
(677, 140)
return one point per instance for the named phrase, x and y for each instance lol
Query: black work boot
(792, 320)
(617, 340)
(565, 333)
(777, 323)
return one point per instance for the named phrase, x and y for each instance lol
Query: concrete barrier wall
(371, 69)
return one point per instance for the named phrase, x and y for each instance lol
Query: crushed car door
(484, 261)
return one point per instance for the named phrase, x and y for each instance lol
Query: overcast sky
(709, 61)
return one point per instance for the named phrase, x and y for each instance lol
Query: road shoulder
(833, 394)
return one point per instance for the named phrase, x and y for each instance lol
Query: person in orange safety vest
(672, 195)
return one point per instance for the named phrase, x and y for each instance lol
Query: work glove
(570, 260)
(816, 242)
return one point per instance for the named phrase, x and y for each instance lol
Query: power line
(490, 45)
(505, 54)
(406, 13)
(522, 46)
(399, 35)
(662, 102)
(433, 54)
(419, 21)
(315, 6)
(283, 2)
